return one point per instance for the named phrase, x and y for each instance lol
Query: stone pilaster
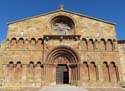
(119, 70)
(100, 72)
(24, 73)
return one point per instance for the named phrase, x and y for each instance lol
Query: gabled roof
(63, 11)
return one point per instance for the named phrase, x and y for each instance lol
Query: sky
(109, 10)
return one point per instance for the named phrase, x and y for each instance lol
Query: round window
(62, 24)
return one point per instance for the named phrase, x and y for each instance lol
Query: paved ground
(60, 89)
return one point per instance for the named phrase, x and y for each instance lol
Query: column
(92, 71)
(5, 75)
(73, 73)
(48, 72)
(38, 73)
(51, 72)
(69, 73)
(76, 69)
(45, 72)
(79, 71)
(119, 72)
(112, 70)
(42, 72)
(100, 72)
(24, 72)
(1, 74)
(54, 73)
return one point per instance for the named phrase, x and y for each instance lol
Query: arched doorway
(62, 74)
(65, 61)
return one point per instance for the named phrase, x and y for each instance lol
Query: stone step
(61, 88)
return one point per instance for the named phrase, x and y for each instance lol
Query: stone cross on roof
(61, 7)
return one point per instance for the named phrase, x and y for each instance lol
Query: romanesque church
(62, 47)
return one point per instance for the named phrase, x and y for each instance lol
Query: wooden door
(62, 74)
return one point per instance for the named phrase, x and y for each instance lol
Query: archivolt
(64, 51)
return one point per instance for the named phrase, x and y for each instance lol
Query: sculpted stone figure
(61, 28)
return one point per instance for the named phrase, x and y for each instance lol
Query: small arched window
(106, 75)
(109, 45)
(33, 41)
(93, 71)
(102, 45)
(91, 45)
(113, 72)
(21, 43)
(85, 71)
(84, 45)
(39, 42)
(13, 42)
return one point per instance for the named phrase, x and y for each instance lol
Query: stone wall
(30, 41)
(99, 57)
(84, 26)
(122, 56)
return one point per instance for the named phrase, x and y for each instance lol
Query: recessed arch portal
(66, 60)
(63, 51)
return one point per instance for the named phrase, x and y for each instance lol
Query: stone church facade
(62, 47)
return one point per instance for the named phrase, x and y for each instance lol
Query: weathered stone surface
(122, 57)
(88, 49)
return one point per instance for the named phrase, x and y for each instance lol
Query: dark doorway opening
(62, 74)
(65, 77)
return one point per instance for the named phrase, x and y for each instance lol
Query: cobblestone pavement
(60, 89)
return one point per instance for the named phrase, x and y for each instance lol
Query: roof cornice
(62, 10)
